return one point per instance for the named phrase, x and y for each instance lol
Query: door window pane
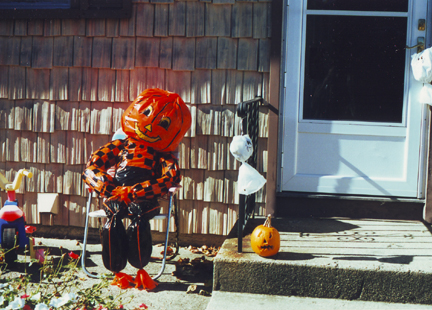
(354, 68)
(359, 5)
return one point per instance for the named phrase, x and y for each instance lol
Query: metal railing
(249, 112)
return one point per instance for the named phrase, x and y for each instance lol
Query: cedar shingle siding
(64, 85)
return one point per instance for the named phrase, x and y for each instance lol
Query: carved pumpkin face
(265, 240)
(157, 118)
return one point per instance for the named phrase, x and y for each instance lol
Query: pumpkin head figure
(265, 239)
(157, 118)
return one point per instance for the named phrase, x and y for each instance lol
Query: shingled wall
(65, 83)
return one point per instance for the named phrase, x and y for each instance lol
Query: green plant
(59, 287)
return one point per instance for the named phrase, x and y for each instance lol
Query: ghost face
(157, 118)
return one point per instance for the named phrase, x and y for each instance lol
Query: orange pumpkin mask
(157, 118)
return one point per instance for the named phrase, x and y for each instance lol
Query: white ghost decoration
(421, 65)
(241, 147)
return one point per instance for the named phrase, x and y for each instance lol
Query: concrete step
(244, 301)
(367, 260)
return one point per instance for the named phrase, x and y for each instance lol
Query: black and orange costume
(145, 168)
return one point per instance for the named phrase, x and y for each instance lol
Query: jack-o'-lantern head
(157, 118)
(265, 239)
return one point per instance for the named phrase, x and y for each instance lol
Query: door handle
(420, 45)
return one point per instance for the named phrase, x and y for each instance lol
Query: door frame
(290, 122)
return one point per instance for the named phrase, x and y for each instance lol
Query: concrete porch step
(244, 301)
(368, 260)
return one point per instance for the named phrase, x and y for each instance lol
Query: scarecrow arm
(96, 174)
(152, 188)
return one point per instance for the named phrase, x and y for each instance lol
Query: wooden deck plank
(101, 52)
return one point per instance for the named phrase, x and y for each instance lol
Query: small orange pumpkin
(265, 239)
(158, 118)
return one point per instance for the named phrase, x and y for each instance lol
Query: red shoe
(144, 280)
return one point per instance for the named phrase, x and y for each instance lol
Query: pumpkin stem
(267, 222)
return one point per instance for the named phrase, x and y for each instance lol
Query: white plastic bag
(421, 65)
(426, 94)
(241, 147)
(249, 180)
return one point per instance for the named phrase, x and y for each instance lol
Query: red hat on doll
(158, 118)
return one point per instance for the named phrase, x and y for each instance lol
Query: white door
(352, 123)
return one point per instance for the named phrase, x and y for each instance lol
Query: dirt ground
(171, 293)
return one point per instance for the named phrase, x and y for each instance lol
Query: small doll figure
(145, 168)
